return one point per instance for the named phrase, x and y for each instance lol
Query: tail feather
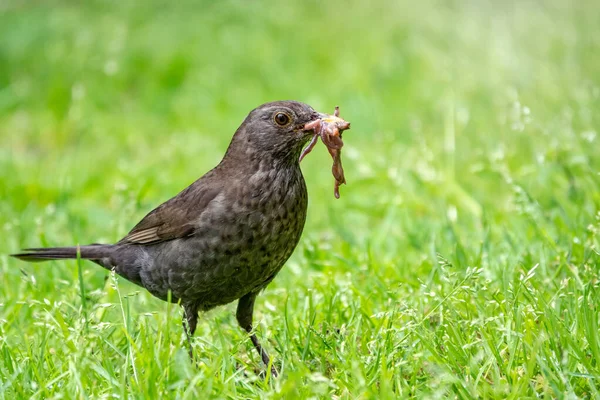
(90, 252)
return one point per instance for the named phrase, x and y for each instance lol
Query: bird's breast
(273, 209)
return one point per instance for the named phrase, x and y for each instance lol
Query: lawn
(460, 262)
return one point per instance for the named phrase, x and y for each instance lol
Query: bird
(227, 235)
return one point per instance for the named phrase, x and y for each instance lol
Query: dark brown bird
(228, 234)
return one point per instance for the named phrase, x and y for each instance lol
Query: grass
(461, 261)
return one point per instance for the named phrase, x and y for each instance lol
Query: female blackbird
(228, 234)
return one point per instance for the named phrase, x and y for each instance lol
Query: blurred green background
(461, 260)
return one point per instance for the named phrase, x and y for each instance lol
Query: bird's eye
(282, 119)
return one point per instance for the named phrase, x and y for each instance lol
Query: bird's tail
(89, 252)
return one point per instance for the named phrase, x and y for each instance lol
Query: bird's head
(277, 129)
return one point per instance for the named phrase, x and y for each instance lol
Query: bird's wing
(176, 218)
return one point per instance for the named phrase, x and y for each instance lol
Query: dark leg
(190, 320)
(244, 317)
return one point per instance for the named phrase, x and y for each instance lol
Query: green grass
(461, 261)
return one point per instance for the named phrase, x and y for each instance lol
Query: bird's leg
(244, 313)
(190, 321)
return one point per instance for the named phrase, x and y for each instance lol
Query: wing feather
(175, 218)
